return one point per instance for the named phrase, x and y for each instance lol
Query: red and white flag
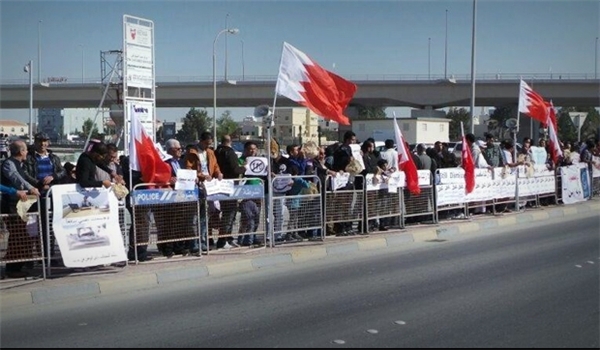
(302, 80)
(554, 143)
(144, 157)
(467, 163)
(406, 162)
(532, 103)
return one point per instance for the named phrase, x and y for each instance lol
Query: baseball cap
(41, 136)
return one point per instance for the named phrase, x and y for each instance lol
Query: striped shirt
(44, 166)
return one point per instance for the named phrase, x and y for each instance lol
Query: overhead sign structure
(139, 74)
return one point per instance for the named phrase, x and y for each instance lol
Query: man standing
(492, 152)
(229, 164)
(20, 245)
(390, 155)
(42, 165)
(250, 208)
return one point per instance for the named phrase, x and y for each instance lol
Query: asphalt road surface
(532, 287)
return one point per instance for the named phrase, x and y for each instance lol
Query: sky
(352, 38)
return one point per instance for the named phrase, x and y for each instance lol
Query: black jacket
(86, 171)
(228, 162)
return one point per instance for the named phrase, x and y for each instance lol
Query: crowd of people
(31, 171)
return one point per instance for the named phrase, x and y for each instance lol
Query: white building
(251, 128)
(13, 128)
(414, 130)
(295, 126)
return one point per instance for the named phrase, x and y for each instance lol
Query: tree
(566, 129)
(590, 126)
(370, 112)
(498, 118)
(457, 115)
(195, 123)
(89, 125)
(226, 125)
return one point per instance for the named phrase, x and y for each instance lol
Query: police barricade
(575, 184)
(21, 241)
(527, 195)
(173, 215)
(236, 212)
(297, 208)
(539, 183)
(504, 189)
(83, 225)
(383, 200)
(423, 204)
(343, 203)
(482, 197)
(596, 176)
(450, 194)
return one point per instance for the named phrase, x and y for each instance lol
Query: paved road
(532, 287)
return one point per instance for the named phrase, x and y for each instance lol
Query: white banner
(575, 183)
(538, 155)
(138, 35)
(396, 180)
(357, 154)
(140, 77)
(139, 56)
(144, 112)
(256, 166)
(86, 226)
(186, 179)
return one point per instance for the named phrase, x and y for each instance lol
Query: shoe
(383, 228)
(234, 244)
(185, 252)
(226, 246)
(146, 258)
(297, 237)
(315, 239)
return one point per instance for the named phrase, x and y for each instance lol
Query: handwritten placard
(186, 179)
(340, 180)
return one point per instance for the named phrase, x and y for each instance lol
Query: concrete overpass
(385, 93)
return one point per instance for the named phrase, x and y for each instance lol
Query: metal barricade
(416, 206)
(344, 205)
(296, 215)
(236, 214)
(381, 204)
(596, 186)
(558, 177)
(172, 216)
(505, 182)
(21, 240)
(449, 194)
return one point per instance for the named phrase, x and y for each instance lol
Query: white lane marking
(82, 324)
(372, 331)
(339, 342)
(578, 266)
(401, 323)
(590, 262)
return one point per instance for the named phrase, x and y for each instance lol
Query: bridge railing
(235, 79)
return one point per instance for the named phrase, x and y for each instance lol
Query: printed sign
(138, 35)
(254, 191)
(572, 183)
(340, 180)
(256, 166)
(282, 183)
(186, 179)
(216, 186)
(86, 226)
(139, 56)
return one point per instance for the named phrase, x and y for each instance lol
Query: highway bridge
(416, 93)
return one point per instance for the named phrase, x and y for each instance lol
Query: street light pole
(243, 65)
(82, 64)
(29, 69)
(596, 60)
(214, 62)
(226, 48)
(39, 51)
(429, 59)
(473, 36)
(446, 50)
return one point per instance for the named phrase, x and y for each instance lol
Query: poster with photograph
(86, 226)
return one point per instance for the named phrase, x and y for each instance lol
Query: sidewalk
(162, 271)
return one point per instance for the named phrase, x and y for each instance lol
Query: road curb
(122, 283)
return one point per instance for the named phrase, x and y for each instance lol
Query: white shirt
(391, 156)
(203, 162)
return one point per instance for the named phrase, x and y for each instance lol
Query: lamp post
(243, 65)
(429, 59)
(226, 47)
(596, 60)
(446, 49)
(473, 41)
(82, 64)
(29, 69)
(228, 31)
(39, 51)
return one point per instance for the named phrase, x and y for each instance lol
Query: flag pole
(269, 125)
